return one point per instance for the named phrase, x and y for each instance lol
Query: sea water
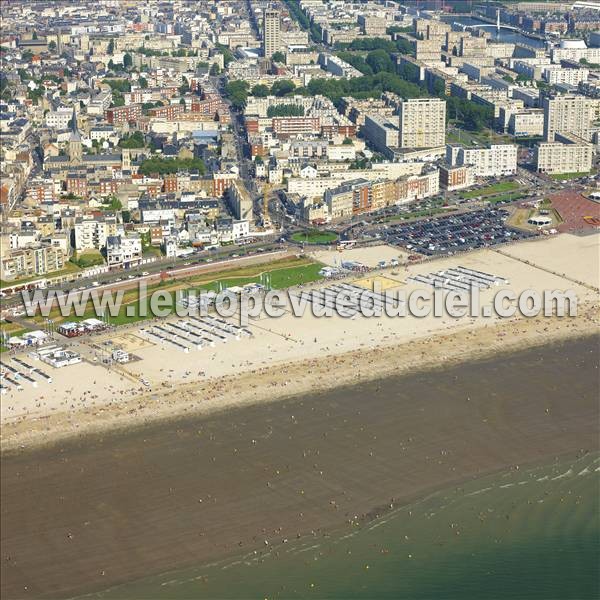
(526, 533)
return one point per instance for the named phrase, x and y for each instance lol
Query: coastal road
(183, 273)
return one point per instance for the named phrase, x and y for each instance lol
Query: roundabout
(314, 236)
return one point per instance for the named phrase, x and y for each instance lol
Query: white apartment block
(240, 229)
(422, 123)
(383, 132)
(91, 233)
(527, 122)
(100, 103)
(59, 119)
(123, 252)
(592, 55)
(569, 114)
(103, 132)
(337, 66)
(530, 67)
(496, 161)
(557, 75)
(556, 158)
(23, 239)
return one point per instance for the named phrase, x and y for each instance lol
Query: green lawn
(490, 190)
(88, 258)
(314, 236)
(152, 251)
(511, 197)
(566, 176)
(281, 277)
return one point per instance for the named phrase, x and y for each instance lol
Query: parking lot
(454, 233)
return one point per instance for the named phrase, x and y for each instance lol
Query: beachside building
(456, 178)
(496, 161)
(27, 262)
(123, 252)
(570, 155)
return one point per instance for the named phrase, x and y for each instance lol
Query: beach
(288, 356)
(88, 514)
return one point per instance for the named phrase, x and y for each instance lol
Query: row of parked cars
(453, 233)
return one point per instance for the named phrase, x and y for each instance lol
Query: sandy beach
(92, 513)
(289, 356)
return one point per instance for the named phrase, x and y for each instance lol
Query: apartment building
(569, 114)
(100, 102)
(428, 50)
(570, 155)
(530, 97)
(91, 232)
(363, 195)
(101, 132)
(231, 230)
(319, 149)
(59, 119)
(422, 123)
(123, 252)
(340, 200)
(555, 74)
(530, 67)
(271, 32)
(123, 114)
(456, 178)
(337, 66)
(417, 187)
(288, 126)
(372, 26)
(592, 55)
(28, 262)
(383, 132)
(239, 201)
(526, 122)
(222, 182)
(23, 238)
(259, 106)
(498, 160)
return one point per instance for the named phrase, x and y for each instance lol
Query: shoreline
(379, 515)
(121, 508)
(281, 380)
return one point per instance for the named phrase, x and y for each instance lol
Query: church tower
(75, 145)
(126, 160)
